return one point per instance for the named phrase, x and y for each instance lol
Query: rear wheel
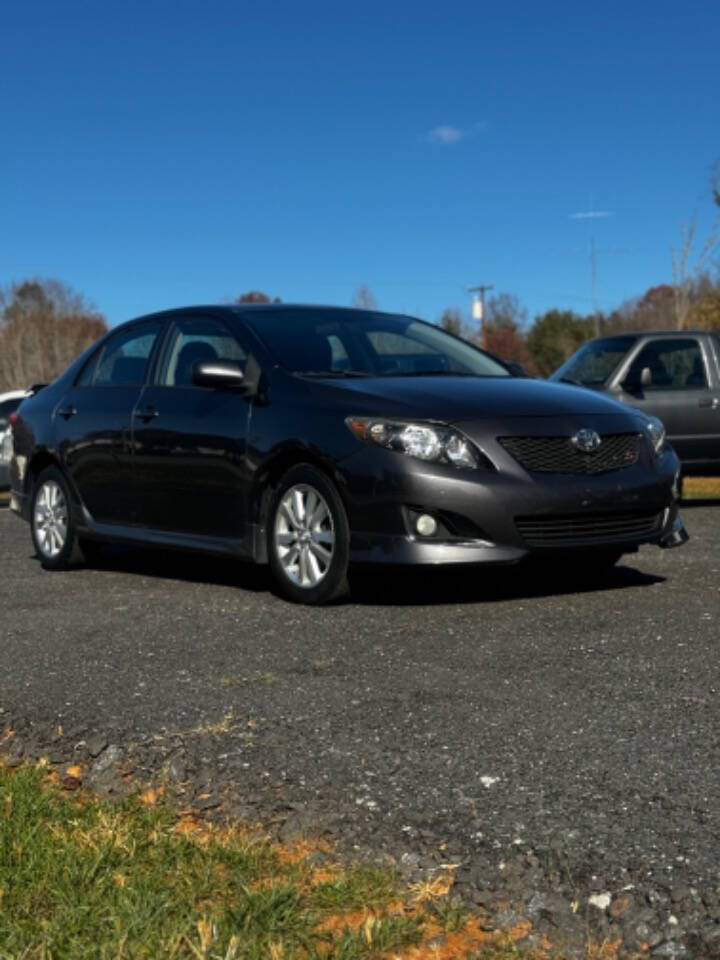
(308, 537)
(52, 523)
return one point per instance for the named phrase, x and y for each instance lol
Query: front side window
(595, 362)
(673, 365)
(367, 344)
(123, 361)
(197, 340)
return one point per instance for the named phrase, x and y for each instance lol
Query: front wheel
(308, 537)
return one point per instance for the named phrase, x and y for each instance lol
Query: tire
(308, 557)
(52, 522)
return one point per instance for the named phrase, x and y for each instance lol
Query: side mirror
(517, 369)
(221, 374)
(636, 382)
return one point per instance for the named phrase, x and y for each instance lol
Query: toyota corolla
(311, 438)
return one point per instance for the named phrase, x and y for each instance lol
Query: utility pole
(591, 215)
(478, 308)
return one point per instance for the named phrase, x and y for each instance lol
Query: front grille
(558, 455)
(587, 528)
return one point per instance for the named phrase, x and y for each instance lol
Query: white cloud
(446, 133)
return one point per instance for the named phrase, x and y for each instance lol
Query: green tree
(555, 335)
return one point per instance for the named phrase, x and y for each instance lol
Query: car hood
(463, 398)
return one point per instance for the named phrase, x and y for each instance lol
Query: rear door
(683, 392)
(190, 441)
(93, 422)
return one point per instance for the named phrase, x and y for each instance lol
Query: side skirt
(240, 548)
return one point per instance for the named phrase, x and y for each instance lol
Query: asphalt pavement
(543, 733)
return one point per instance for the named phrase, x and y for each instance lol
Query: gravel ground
(556, 740)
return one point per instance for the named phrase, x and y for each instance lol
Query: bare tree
(451, 320)
(44, 325)
(364, 298)
(687, 268)
(504, 311)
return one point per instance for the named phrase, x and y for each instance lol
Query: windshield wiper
(332, 373)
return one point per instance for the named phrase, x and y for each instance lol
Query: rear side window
(673, 365)
(123, 361)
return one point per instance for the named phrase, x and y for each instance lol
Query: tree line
(44, 325)
(544, 344)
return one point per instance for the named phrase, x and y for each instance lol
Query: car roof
(654, 333)
(256, 309)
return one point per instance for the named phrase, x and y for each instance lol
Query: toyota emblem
(586, 441)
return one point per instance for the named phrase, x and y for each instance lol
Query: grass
(83, 878)
(701, 488)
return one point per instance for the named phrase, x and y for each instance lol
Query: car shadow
(177, 565)
(381, 586)
(431, 587)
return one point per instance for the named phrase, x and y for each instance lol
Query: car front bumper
(508, 514)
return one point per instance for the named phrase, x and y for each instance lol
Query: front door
(93, 423)
(189, 441)
(680, 392)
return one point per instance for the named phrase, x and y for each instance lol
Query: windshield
(595, 362)
(367, 345)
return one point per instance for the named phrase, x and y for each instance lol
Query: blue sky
(159, 153)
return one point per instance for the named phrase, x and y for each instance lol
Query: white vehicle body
(9, 402)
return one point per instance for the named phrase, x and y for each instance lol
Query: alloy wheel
(50, 519)
(304, 535)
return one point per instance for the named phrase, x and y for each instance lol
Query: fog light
(426, 525)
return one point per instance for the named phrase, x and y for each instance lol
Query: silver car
(9, 402)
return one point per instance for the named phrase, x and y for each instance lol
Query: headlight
(424, 441)
(656, 434)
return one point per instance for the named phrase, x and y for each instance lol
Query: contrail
(592, 214)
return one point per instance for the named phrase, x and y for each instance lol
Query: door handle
(712, 402)
(67, 412)
(147, 414)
